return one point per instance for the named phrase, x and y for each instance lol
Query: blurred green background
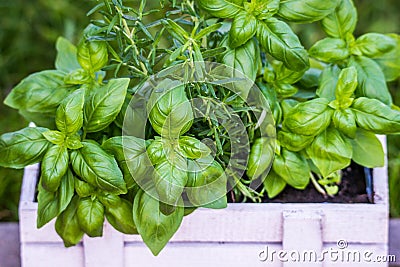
(29, 29)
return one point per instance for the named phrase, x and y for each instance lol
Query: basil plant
(168, 106)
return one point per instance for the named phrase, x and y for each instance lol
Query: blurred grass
(28, 31)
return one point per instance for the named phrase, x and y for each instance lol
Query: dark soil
(352, 190)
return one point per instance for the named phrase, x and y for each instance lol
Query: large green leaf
(67, 225)
(390, 62)
(22, 148)
(155, 228)
(282, 43)
(374, 44)
(51, 204)
(367, 150)
(104, 104)
(261, 156)
(98, 168)
(274, 184)
(309, 118)
(193, 148)
(54, 167)
(39, 92)
(69, 116)
(305, 11)
(221, 8)
(371, 80)
(341, 21)
(330, 152)
(90, 214)
(121, 217)
(372, 115)
(294, 142)
(330, 50)
(66, 56)
(293, 168)
(345, 121)
(243, 28)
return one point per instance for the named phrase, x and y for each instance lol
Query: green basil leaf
(345, 121)
(66, 55)
(306, 11)
(261, 156)
(55, 137)
(244, 60)
(286, 90)
(155, 228)
(206, 184)
(157, 151)
(193, 148)
(371, 80)
(367, 150)
(99, 169)
(372, 115)
(293, 168)
(374, 44)
(69, 116)
(92, 55)
(109, 200)
(330, 50)
(41, 119)
(121, 217)
(131, 155)
(274, 184)
(73, 142)
(83, 189)
(51, 204)
(221, 8)
(328, 82)
(309, 118)
(171, 113)
(278, 39)
(170, 180)
(54, 167)
(78, 77)
(23, 148)
(67, 225)
(390, 62)
(243, 28)
(104, 104)
(330, 152)
(294, 142)
(90, 214)
(342, 21)
(285, 75)
(40, 92)
(346, 85)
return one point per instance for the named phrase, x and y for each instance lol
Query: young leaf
(55, 137)
(96, 167)
(54, 167)
(23, 148)
(243, 28)
(293, 168)
(374, 44)
(346, 85)
(40, 92)
(341, 21)
(155, 228)
(67, 225)
(66, 55)
(50, 204)
(83, 189)
(294, 142)
(92, 55)
(192, 148)
(121, 217)
(330, 50)
(274, 184)
(69, 116)
(73, 142)
(345, 121)
(367, 150)
(309, 118)
(372, 115)
(261, 156)
(371, 80)
(278, 39)
(330, 152)
(104, 104)
(206, 184)
(90, 214)
(221, 8)
(306, 11)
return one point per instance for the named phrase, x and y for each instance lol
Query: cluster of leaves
(325, 115)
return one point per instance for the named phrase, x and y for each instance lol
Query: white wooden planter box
(237, 236)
